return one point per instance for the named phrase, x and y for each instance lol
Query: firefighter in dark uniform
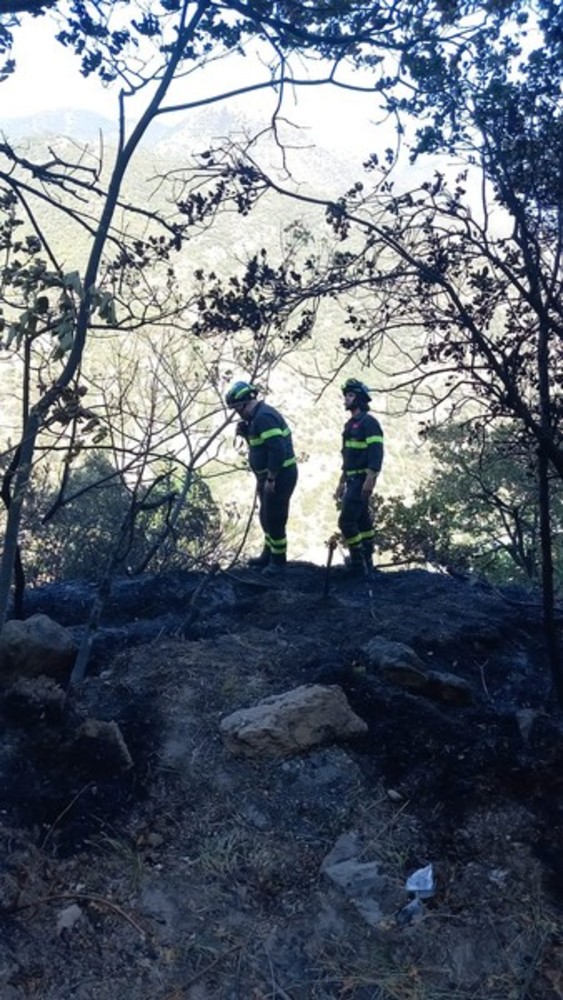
(362, 458)
(272, 460)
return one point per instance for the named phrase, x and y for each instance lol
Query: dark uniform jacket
(362, 445)
(270, 447)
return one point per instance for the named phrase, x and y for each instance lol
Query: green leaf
(72, 280)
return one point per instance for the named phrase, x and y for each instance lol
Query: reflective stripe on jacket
(362, 445)
(269, 441)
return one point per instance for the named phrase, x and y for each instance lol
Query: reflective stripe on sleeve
(273, 432)
(375, 439)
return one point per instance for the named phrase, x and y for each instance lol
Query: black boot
(367, 557)
(259, 562)
(354, 564)
(276, 567)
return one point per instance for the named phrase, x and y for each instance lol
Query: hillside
(186, 860)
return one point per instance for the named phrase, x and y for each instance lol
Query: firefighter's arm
(339, 491)
(374, 456)
(271, 433)
(369, 482)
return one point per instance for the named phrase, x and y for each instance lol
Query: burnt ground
(195, 875)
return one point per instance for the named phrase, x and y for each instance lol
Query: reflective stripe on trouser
(355, 521)
(277, 546)
(274, 511)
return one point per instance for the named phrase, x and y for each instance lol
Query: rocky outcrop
(36, 646)
(292, 722)
(400, 665)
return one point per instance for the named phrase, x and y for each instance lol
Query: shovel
(331, 544)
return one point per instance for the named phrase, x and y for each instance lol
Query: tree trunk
(550, 625)
(42, 407)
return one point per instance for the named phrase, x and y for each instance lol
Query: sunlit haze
(48, 78)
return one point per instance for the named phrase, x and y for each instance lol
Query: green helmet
(240, 392)
(358, 388)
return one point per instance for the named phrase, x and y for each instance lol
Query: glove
(339, 493)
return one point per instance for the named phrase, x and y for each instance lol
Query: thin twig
(245, 534)
(62, 814)
(483, 681)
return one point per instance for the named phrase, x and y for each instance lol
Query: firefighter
(362, 457)
(272, 460)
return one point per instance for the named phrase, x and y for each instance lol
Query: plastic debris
(421, 882)
(421, 885)
(410, 912)
(498, 876)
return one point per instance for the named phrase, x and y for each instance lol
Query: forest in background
(303, 381)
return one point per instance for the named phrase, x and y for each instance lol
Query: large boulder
(36, 646)
(292, 722)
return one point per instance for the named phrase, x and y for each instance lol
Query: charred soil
(193, 874)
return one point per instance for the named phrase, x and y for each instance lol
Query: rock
(364, 882)
(397, 663)
(449, 688)
(68, 917)
(400, 665)
(384, 653)
(36, 646)
(100, 745)
(405, 676)
(347, 846)
(394, 795)
(291, 722)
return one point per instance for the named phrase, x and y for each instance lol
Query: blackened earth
(195, 874)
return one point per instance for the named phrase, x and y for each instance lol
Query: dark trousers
(274, 511)
(355, 521)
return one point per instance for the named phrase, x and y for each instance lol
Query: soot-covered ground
(197, 874)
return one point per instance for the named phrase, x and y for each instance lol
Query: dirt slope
(196, 875)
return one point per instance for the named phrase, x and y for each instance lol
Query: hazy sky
(48, 78)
